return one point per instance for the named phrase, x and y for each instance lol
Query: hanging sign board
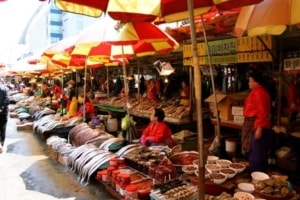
(206, 70)
(251, 49)
(232, 50)
(258, 56)
(292, 66)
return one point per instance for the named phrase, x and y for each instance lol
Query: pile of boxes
(237, 112)
(228, 105)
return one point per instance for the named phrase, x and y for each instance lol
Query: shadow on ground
(48, 177)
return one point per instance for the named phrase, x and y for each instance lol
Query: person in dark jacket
(4, 102)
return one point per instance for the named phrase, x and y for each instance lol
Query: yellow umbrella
(268, 17)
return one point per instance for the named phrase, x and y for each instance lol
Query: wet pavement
(27, 172)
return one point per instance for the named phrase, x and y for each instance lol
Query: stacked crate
(237, 112)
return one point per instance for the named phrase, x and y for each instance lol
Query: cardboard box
(225, 102)
(237, 110)
(238, 119)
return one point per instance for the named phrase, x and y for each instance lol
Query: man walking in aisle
(4, 102)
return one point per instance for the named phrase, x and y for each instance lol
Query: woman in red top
(57, 89)
(257, 134)
(151, 90)
(157, 132)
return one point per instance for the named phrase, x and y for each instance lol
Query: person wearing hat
(4, 102)
(257, 134)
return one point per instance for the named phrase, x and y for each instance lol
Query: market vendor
(152, 90)
(257, 134)
(45, 90)
(86, 104)
(33, 90)
(70, 98)
(57, 89)
(157, 132)
(185, 93)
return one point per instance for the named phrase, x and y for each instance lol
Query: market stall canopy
(268, 17)
(145, 10)
(80, 62)
(108, 39)
(58, 47)
(31, 66)
(23, 66)
(216, 23)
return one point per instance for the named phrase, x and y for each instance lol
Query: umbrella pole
(84, 88)
(191, 91)
(139, 90)
(62, 78)
(91, 77)
(76, 81)
(280, 83)
(107, 82)
(125, 80)
(216, 143)
(197, 82)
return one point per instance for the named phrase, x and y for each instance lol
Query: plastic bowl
(243, 196)
(212, 159)
(217, 178)
(259, 176)
(246, 187)
(223, 163)
(184, 158)
(196, 163)
(239, 167)
(212, 168)
(230, 173)
(190, 169)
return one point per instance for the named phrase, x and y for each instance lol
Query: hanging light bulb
(166, 80)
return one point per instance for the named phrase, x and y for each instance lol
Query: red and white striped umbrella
(147, 10)
(58, 47)
(132, 39)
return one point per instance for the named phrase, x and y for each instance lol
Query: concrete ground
(27, 172)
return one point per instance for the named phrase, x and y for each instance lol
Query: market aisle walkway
(28, 173)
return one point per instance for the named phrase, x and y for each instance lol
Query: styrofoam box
(237, 110)
(238, 119)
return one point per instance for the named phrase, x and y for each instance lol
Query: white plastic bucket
(230, 145)
(112, 125)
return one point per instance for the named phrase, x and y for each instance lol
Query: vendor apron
(247, 133)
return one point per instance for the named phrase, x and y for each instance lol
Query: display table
(230, 131)
(108, 108)
(111, 191)
(176, 121)
(227, 123)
